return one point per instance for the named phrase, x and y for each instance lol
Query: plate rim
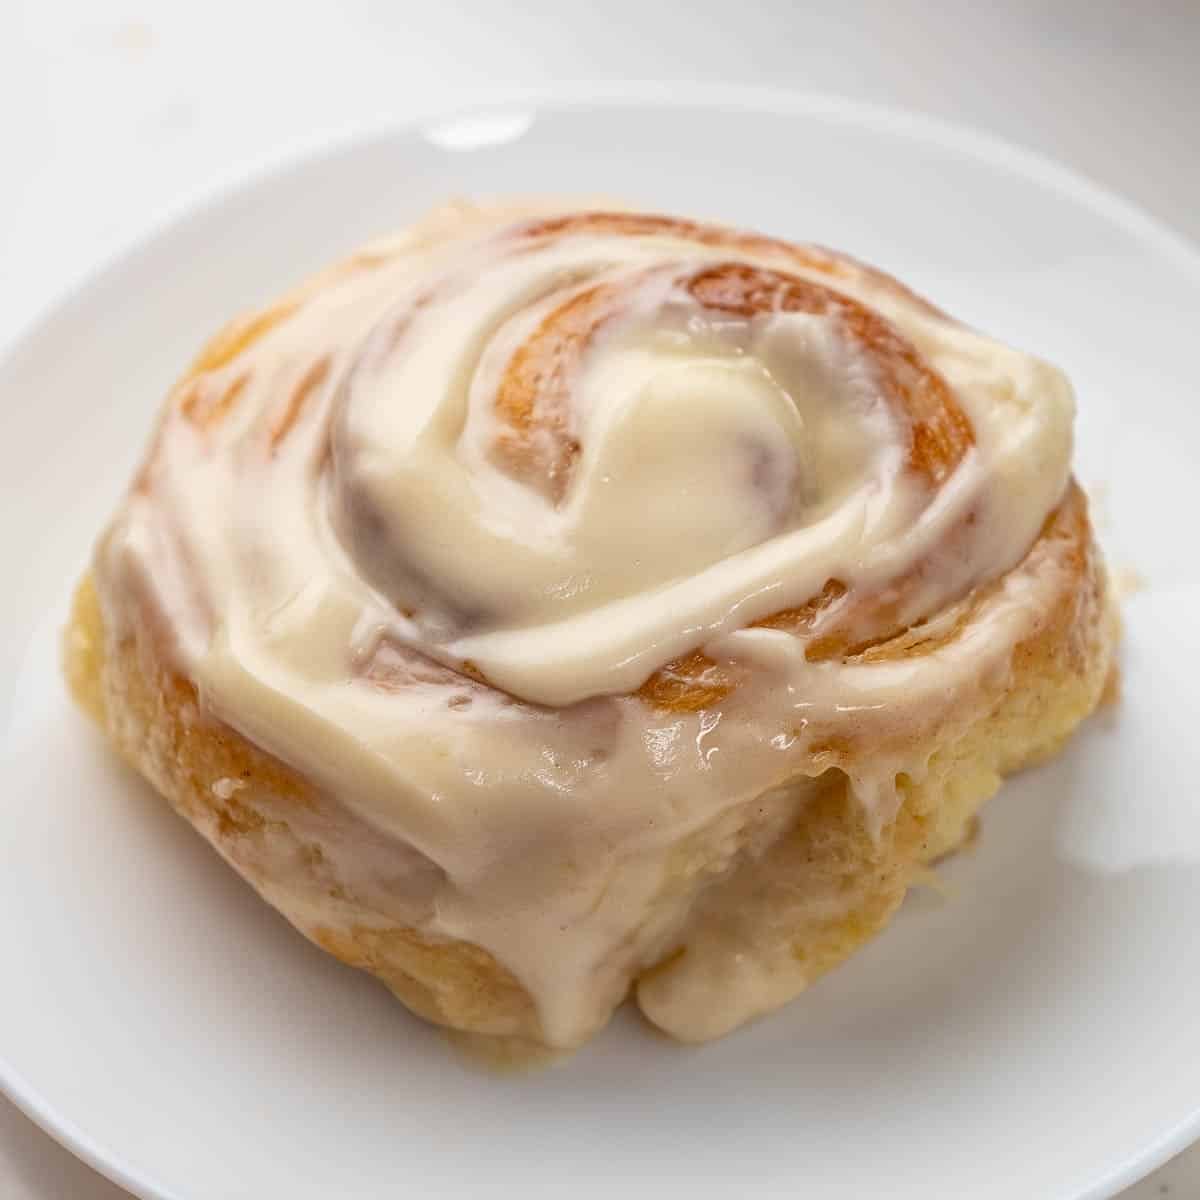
(248, 173)
(775, 100)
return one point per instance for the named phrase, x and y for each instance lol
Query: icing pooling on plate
(561, 456)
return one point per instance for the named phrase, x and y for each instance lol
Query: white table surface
(112, 112)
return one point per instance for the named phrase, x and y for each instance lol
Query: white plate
(1032, 1036)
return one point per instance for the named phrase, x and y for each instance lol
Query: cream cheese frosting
(556, 456)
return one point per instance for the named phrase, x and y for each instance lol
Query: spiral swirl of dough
(584, 446)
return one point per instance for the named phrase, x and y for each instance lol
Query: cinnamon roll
(542, 607)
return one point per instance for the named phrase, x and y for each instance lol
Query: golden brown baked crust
(826, 885)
